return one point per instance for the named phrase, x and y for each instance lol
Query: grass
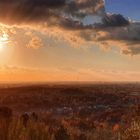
(132, 132)
(38, 130)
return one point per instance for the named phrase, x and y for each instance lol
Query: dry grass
(132, 132)
(16, 130)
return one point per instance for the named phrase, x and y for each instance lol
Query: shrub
(133, 132)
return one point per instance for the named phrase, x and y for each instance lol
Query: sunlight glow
(3, 40)
(1, 46)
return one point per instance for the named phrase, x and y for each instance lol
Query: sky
(69, 40)
(128, 8)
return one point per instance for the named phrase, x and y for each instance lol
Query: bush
(34, 129)
(133, 132)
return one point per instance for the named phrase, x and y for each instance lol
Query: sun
(3, 40)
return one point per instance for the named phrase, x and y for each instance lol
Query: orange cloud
(35, 43)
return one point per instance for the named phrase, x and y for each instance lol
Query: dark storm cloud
(17, 11)
(126, 37)
(67, 13)
(85, 7)
(115, 20)
(130, 32)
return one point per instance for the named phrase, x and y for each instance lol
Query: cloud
(131, 50)
(80, 14)
(78, 22)
(35, 43)
(127, 37)
(23, 11)
(115, 20)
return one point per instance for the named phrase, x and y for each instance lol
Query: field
(101, 111)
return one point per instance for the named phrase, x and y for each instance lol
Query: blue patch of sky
(128, 8)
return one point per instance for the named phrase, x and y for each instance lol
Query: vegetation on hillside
(32, 127)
